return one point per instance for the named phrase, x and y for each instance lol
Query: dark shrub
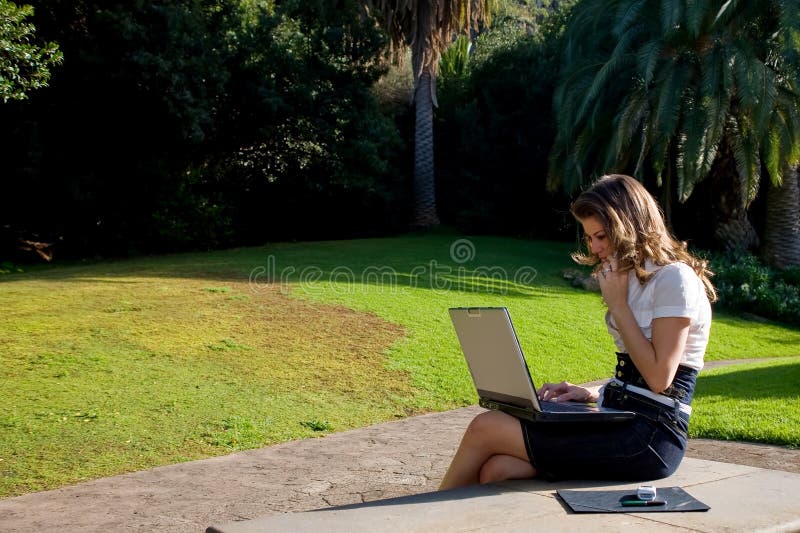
(745, 284)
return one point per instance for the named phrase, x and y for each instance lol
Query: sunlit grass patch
(757, 402)
(103, 378)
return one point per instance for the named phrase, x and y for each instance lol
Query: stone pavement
(742, 498)
(389, 460)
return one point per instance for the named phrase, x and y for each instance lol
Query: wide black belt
(627, 372)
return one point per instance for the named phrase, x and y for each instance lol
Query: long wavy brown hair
(634, 224)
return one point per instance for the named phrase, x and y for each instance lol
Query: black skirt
(634, 450)
(649, 446)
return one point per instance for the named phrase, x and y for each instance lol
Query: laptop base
(585, 414)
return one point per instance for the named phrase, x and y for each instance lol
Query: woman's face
(596, 237)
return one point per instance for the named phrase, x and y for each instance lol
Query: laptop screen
(494, 355)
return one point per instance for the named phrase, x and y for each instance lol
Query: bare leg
(502, 467)
(492, 433)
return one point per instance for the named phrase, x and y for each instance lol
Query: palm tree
(679, 91)
(426, 27)
(782, 231)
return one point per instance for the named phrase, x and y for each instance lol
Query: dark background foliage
(184, 124)
(494, 134)
(194, 124)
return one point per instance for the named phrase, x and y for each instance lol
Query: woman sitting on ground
(659, 316)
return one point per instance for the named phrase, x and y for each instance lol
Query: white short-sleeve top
(675, 290)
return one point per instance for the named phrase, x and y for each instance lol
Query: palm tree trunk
(732, 228)
(782, 230)
(424, 184)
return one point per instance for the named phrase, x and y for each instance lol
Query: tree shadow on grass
(775, 381)
(492, 266)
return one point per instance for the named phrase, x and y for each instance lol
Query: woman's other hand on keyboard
(567, 392)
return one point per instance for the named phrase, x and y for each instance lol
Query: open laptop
(501, 375)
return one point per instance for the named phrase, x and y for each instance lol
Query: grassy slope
(124, 365)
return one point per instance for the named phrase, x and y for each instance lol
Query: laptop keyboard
(565, 407)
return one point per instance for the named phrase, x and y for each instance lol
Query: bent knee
(486, 425)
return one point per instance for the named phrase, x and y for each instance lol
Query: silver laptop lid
(494, 356)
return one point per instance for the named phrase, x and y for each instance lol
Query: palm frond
(648, 57)
(663, 84)
(690, 146)
(671, 14)
(771, 148)
(567, 100)
(619, 58)
(610, 159)
(644, 150)
(790, 30)
(744, 78)
(792, 128)
(659, 155)
(627, 14)
(725, 13)
(634, 110)
(704, 126)
(716, 111)
(781, 127)
(696, 14)
(669, 98)
(748, 162)
(711, 67)
(786, 124)
(427, 27)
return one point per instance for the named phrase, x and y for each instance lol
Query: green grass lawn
(118, 366)
(757, 402)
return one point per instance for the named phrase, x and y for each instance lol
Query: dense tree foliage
(24, 64)
(185, 123)
(495, 129)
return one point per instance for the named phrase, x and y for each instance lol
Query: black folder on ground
(611, 501)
